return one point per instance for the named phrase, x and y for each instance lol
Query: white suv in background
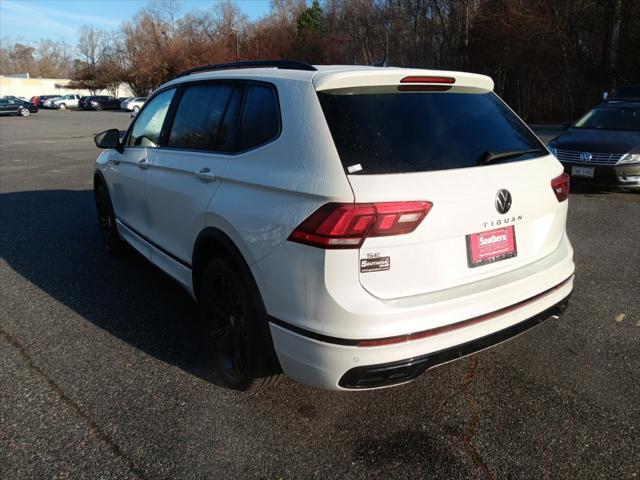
(348, 226)
(66, 101)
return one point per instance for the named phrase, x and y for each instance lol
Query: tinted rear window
(377, 133)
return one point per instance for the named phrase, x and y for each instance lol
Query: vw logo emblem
(585, 156)
(503, 201)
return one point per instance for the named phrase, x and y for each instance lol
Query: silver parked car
(66, 101)
(133, 104)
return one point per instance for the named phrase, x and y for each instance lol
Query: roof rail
(283, 64)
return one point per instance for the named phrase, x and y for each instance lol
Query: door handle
(205, 174)
(143, 164)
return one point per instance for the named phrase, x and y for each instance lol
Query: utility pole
(237, 44)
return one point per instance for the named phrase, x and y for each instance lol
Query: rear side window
(199, 116)
(260, 122)
(398, 132)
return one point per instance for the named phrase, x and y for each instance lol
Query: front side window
(199, 116)
(260, 121)
(148, 125)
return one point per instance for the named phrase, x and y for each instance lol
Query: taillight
(560, 186)
(346, 225)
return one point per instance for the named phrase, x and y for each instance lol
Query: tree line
(550, 59)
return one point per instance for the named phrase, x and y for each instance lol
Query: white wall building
(30, 87)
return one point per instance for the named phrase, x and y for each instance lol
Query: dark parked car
(11, 106)
(603, 147)
(101, 102)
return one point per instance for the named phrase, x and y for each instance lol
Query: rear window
(383, 132)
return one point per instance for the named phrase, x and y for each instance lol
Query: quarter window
(199, 115)
(260, 121)
(148, 125)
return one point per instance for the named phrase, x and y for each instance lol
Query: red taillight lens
(346, 225)
(449, 80)
(560, 186)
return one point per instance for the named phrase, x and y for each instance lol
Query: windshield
(393, 132)
(611, 119)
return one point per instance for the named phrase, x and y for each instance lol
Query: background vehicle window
(199, 116)
(611, 119)
(260, 120)
(148, 125)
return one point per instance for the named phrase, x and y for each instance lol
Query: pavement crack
(473, 420)
(93, 426)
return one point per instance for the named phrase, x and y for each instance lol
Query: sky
(31, 20)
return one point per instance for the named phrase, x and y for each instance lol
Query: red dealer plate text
(491, 246)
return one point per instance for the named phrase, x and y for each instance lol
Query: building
(21, 85)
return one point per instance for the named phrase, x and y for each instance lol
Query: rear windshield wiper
(488, 157)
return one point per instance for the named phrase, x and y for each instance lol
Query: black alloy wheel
(236, 328)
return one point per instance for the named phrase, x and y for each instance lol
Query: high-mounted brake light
(346, 225)
(449, 80)
(560, 186)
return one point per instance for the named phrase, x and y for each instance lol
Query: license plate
(491, 246)
(582, 171)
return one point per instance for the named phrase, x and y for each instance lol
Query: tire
(62, 106)
(236, 329)
(24, 112)
(98, 108)
(107, 220)
(136, 108)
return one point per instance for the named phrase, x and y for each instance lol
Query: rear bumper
(610, 176)
(394, 373)
(340, 364)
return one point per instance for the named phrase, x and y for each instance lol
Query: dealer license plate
(491, 246)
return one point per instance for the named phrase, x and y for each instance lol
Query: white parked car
(66, 101)
(133, 104)
(349, 226)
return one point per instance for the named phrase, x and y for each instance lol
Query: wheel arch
(212, 242)
(99, 177)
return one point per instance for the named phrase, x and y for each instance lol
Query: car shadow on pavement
(51, 238)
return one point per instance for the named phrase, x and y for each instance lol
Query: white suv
(67, 101)
(348, 226)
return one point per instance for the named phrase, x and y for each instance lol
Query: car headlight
(630, 158)
(552, 149)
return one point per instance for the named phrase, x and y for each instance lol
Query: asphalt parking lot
(101, 375)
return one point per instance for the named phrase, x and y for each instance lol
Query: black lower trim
(386, 374)
(155, 245)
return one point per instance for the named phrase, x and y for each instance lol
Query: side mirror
(109, 139)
